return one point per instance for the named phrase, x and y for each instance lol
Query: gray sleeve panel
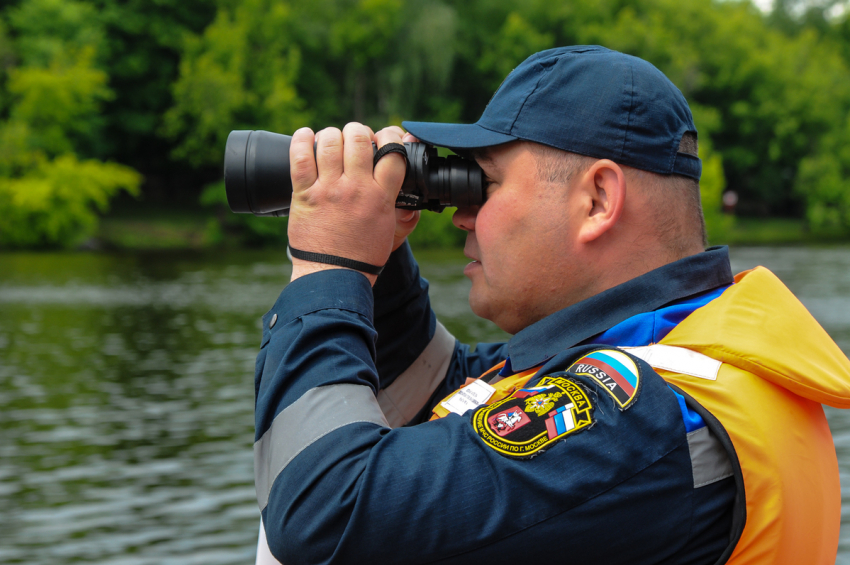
(709, 459)
(409, 392)
(317, 413)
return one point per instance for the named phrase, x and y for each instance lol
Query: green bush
(55, 203)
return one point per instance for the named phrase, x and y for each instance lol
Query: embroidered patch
(614, 371)
(532, 418)
(508, 420)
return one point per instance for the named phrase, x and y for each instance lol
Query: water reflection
(126, 398)
(126, 395)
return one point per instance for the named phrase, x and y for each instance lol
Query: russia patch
(614, 371)
(530, 419)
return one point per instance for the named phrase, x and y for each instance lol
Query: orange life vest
(778, 366)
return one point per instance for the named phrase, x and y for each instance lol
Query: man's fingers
(403, 216)
(405, 221)
(395, 129)
(357, 150)
(408, 137)
(389, 171)
(329, 155)
(302, 164)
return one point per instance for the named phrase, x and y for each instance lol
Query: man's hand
(343, 207)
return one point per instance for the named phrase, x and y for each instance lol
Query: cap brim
(456, 136)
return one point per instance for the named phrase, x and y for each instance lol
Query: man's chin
(484, 308)
(480, 307)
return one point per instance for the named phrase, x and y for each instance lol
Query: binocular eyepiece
(257, 181)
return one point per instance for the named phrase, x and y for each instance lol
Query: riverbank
(145, 227)
(138, 225)
(776, 231)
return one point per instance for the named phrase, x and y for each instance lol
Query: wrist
(302, 268)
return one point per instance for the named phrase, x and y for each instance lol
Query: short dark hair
(558, 166)
(677, 232)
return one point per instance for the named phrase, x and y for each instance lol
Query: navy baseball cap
(584, 99)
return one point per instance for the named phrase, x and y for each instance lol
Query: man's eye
(488, 186)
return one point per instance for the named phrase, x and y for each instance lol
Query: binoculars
(257, 181)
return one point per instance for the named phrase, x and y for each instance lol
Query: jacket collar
(572, 325)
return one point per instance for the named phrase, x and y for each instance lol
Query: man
(650, 408)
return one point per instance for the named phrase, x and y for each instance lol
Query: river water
(126, 395)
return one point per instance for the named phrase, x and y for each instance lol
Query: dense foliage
(53, 92)
(96, 93)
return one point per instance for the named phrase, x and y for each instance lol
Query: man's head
(594, 176)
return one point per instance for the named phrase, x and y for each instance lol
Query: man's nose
(464, 218)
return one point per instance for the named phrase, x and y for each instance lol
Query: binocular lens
(257, 180)
(256, 173)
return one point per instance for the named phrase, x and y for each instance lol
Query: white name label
(471, 396)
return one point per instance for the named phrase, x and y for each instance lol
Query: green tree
(259, 62)
(47, 30)
(138, 44)
(49, 197)
(238, 74)
(824, 181)
(776, 95)
(144, 43)
(59, 101)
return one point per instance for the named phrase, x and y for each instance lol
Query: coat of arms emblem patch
(530, 419)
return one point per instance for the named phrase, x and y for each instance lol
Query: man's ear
(603, 192)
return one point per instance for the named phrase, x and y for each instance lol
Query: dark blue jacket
(342, 364)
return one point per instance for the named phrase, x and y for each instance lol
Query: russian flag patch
(614, 371)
